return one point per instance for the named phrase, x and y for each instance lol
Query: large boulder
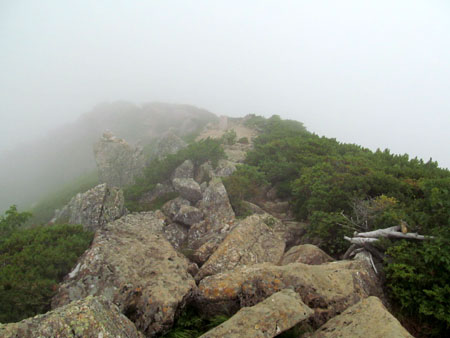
(118, 163)
(188, 189)
(368, 318)
(169, 144)
(306, 254)
(276, 314)
(215, 204)
(328, 288)
(252, 241)
(225, 168)
(94, 208)
(91, 317)
(188, 215)
(131, 264)
(185, 170)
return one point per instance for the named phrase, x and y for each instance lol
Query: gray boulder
(225, 168)
(131, 264)
(276, 314)
(185, 170)
(94, 208)
(176, 234)
(306, 254)
(118, 163)
(188, 189)
(368, 318)
(188, 215)
(91, 317)
(171, 208)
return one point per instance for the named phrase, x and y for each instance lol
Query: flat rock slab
(131, 264)
(252, 241)
(90, 317)
(276, 314)
(368, 318)
(327, 288)
(306, 254)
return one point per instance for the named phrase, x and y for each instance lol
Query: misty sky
(376, 73)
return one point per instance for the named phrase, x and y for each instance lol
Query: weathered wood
(360, 240)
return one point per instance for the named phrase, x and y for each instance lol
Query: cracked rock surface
(131, 264)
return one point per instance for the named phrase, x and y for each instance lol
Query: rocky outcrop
(131, 264)
(188, 189)
(118, 163)
(176, 234)
(94, 208)
(276, 314)
(91, 317)
(185, 170)
(252, 241)
(368, 318)
(225, 168)
(306, 254)
(328, 288)
(171, 208)
(188, 215)
(205, 172)
(169, 144)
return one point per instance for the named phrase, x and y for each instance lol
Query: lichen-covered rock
(91, 317)
(184, 170)
(171, 208)
(328, 288)
(169, 144)
(368, 318)
(225, 168)
(306, 254)
(132, 264)
(188, 215)
(94, 208)
(215, 204)
(276, 314)
(118, 163)
(188, 189)
(161, 190)
(176, 234)
(252, 241)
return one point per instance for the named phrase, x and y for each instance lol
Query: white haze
(376, 73)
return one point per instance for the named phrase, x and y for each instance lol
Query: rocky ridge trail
(142, 269)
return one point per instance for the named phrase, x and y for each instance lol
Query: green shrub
(244, 184)
(229, 137)
(417, 278)
(11, 221)
(243, 140)
(33, 262)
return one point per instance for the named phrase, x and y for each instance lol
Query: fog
(376, 73)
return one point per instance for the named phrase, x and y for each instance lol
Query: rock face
(269, 318)
(94, 208)
(118, 163)
(306, 254)
(169, 144)
(250, 242)
(91, 317)
(368, 318)
(131, 264)
(327, 288)
(187, 188)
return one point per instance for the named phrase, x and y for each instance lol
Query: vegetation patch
(33, 261)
